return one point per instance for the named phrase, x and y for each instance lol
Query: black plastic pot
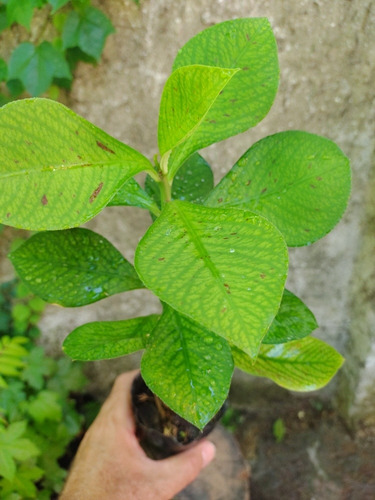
(160, 431)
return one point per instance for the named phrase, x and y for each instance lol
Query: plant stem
(165, 190)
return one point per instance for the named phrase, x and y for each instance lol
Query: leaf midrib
(59, 167)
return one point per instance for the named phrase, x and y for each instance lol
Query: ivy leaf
(192, 183)
(200, 367)
(73, 267)
(57, 4)
(20, 11)
(12, 353)
(293, 321)
(37, 66)
(87, 29)
(109, 339)
(131, 194)
(224, 269)
(250, 45)
(188, 95)
(301, 365)
(61, 173)
(299, 181)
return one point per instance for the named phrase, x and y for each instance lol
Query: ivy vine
(70, 31)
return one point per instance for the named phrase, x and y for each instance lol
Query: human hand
(110, 464)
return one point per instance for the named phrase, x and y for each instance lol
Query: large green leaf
(36, 67)
(301, 365)
(73, 267)
(193, 181)
(109, 339)
(188, 95)
(57, 170)
(131, 194)
(298, 181)
(248, 44)
(293, 321)
(223, 268)
(187, 367)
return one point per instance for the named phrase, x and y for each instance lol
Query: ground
(319, 457)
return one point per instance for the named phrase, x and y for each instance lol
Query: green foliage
(38, 418)
(216, 257)
(80, 31)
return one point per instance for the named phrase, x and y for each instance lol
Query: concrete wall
(326, 51)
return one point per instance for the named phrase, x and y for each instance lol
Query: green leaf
(36, 67)
(11, 355)
(45, 406)
(88, 30)
(298, 181)
(3, 70)
(293, 321)
(57, 4)
(248, 44)
(224, 269)
(23, 482)
(37, 367)
(60, 173)
(109, 339)
(301, 365)
(131, 194)
(73, 267)
(188, 95)
(192, 183)
(14, 447)
(199, 367)
(20, 11)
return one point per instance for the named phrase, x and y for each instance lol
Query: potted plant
(215, 256)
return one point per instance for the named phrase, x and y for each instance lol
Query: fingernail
(208, 452)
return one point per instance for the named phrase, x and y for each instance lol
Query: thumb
(178, 471)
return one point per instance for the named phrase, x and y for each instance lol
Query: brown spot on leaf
(233, 100)
(28, 143)
(312, 186)
(161, 258)
(233, 234)
(77, 133)
(212, 121)
(104, 147)
(226, 114)
(79, 157)
(263, 190)
(16, 161)
(227, 287)
(248, 182)
(223, 310)
(8, 215)
(262, 275)
(307, 230)
(247, 37)
(246, 68)
(318, 178)
(220, 200)
(96, 192)
(44, 200)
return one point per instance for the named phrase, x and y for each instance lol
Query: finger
(176, 472)
(118, 403)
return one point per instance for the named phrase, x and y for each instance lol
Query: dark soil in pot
(160, 431)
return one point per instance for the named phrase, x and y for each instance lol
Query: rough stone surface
(326, 87)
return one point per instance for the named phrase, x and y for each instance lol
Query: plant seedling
(216, 257)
